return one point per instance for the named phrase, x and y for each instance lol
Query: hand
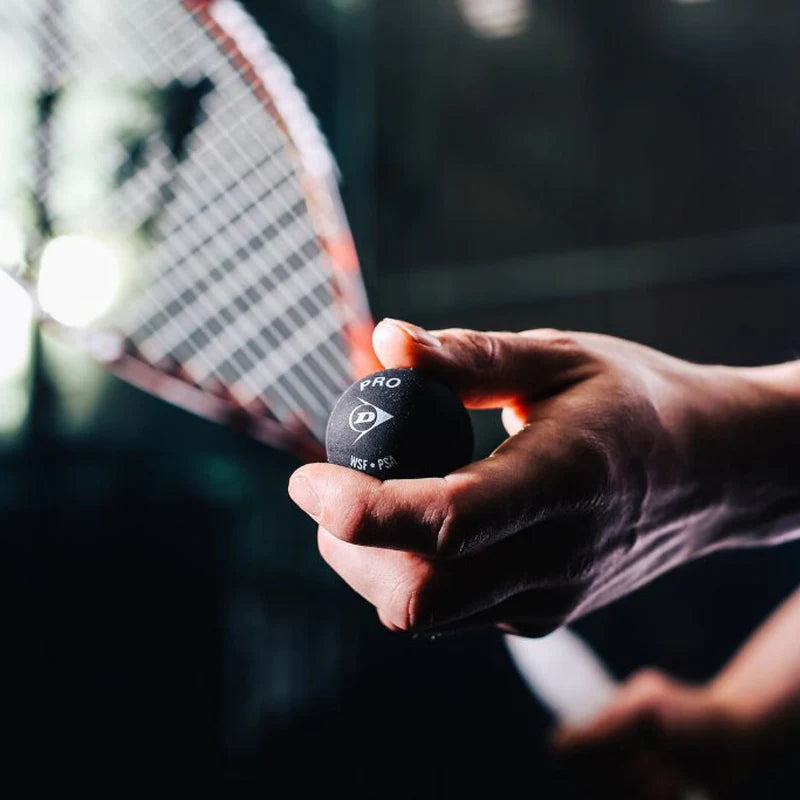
(622, 462)
(659, 739)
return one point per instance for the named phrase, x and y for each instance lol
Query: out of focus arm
(762, 682)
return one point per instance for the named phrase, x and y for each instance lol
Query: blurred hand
(622, 462)
(660, 739)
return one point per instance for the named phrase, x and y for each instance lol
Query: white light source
(497, 19)
(12, 242)
(79, 279)
(16, 320)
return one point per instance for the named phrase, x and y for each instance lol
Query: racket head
(180, 210)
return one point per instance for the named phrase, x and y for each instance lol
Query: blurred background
(607, 166)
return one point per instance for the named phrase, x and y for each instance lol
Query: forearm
(768, 460)
(726, 474)
(784, 378)
(743, 444)
(761, 685)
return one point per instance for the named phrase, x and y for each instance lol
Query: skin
(621, 463)
(659, 736)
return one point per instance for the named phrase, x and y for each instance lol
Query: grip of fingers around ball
(400, 423)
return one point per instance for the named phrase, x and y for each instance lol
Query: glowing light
(79, 279)
(16, 320)
(12, 242)
(497, 19)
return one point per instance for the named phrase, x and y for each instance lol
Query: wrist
(782, 380)
(754, 712)
(766, 431)
(738, 703)
(741, 446)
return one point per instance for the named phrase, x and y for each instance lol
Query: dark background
(625, 168)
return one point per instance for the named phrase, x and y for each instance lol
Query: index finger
(486, 369)
(464, 512)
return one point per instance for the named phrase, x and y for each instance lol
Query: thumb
(487, 369)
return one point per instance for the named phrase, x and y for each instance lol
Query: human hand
(664, 740)
(621, 463)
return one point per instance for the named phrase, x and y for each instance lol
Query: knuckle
(447, 523)
(622, 389)
(485, 350)
(410, 608)
(555, 337)
(648, 683)
(357, 523)
(592, 450)
(455, 526)
(588, 464)
(565, 345)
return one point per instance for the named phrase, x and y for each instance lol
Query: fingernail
(302, 492)
(419, 335)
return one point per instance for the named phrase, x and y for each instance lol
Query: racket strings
(194, 330)
(224, 119)
(231, 210)
(233, 285)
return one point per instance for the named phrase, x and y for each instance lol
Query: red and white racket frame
(243, 43)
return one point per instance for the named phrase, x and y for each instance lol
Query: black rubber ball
(400, 423)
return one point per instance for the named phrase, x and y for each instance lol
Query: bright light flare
(79, 280)
(497, 19)
(16, 322)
